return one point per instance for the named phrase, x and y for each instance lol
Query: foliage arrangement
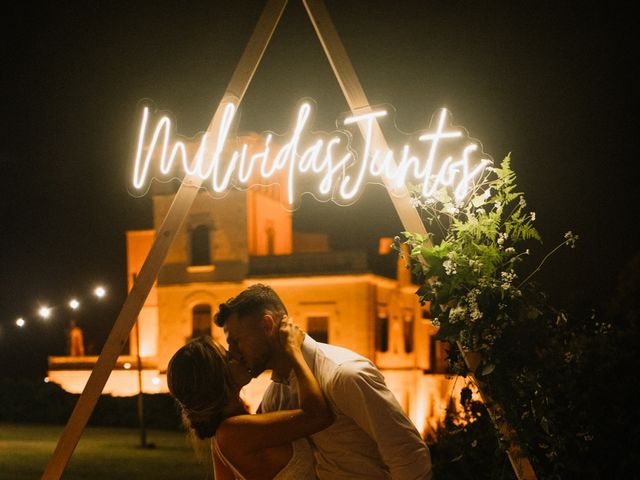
(537, 362)
(471, 277)
(465, 446)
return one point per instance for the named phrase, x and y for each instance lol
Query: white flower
(533, 216)
(449, 267)
(456, 313)
(450, 208)
(571, 238)
(510, 250)
(507, 278)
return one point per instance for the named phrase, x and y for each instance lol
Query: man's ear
(268, 324)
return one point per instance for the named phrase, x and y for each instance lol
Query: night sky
(546, 81)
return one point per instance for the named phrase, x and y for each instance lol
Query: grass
(102, 453)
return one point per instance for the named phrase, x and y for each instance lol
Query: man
(371, 437)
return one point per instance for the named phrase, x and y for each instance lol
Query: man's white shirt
(371, 437)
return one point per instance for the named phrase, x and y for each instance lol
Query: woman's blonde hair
(198, 379)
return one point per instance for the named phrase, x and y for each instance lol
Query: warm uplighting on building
(74, 304)
(155, 381)
(44, 312)
(20, 322)
(385, 245)
(100, 292)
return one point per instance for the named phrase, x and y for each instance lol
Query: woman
(264, 446)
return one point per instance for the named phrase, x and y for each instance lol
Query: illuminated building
(338, 297)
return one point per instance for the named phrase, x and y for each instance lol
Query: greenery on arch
(476, 275)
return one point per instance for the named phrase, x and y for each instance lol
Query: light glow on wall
(442, 157)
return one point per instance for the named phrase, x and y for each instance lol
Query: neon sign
(440, 157)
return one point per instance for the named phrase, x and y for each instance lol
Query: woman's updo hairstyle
(197, 377)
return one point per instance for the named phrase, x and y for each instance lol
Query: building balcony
(301, 264)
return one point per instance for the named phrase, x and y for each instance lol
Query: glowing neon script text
(339, 175)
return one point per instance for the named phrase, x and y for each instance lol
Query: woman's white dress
(300, 467)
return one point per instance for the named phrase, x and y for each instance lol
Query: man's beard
(260, 365)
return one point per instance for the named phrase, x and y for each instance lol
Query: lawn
(103, 453)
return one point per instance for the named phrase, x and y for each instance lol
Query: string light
(46, 311)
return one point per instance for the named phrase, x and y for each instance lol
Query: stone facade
(227, 244)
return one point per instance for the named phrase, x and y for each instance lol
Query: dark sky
(546, 81)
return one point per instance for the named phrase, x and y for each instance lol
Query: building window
(438, 362)
(201, 320)
(407, 332)
(382, 332)
(271, 238)
(318, 328)
(200, 250)
(438, 350)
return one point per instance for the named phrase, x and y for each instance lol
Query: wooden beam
(519, 462)
(357, 100)
(240, 80)
(358, 103)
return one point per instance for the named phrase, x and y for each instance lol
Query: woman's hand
(291, 337)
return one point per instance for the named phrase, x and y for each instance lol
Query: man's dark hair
(251, 301)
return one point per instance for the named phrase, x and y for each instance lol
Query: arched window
(200, 250)
(407, 332)
(201, 320)
(271, 238)
(382, 331)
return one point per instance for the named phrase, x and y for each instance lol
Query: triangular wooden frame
(237, 87)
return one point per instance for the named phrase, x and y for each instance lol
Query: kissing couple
(327, 413)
